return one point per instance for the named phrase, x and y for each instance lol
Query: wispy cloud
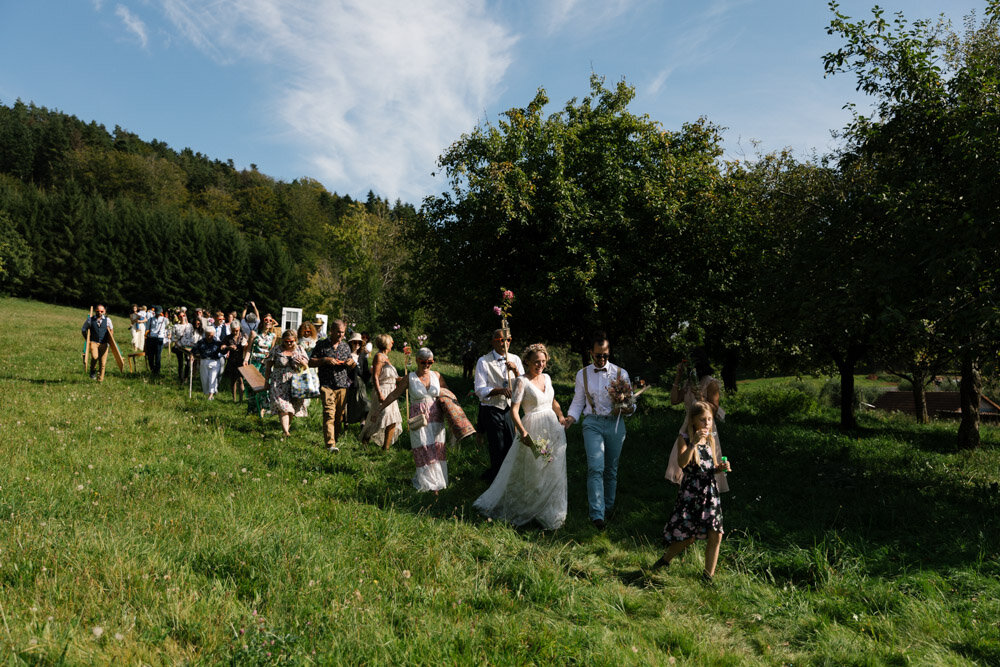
(697, 40)
(372, 91)
(581, 16)
(133, 23)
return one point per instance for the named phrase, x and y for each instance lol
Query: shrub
(792, 399)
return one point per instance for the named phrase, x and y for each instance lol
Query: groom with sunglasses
(492, 381)
(603, 431)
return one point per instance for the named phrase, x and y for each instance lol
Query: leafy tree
(933, 146)
(582, 214)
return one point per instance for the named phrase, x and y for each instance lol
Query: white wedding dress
(526, 487)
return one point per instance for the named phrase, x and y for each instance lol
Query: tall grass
(139, 526)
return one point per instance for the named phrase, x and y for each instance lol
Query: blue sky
(365, 94)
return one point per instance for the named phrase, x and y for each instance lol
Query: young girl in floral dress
(698, 510)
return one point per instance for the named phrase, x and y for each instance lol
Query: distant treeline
(87, 214)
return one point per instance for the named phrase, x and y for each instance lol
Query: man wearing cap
(156, 333)
(100, 327)
(492, 383)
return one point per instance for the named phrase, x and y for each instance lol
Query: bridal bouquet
(541, 448)
(622, 396)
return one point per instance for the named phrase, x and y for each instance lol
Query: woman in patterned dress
(285, 360)
(427, 441)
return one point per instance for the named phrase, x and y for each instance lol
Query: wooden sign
(115, 351)
(253, 378)
(86, 346)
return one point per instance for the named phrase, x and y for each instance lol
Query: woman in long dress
(427, 441)
(529, 487)
(383, 427)
(285, 360)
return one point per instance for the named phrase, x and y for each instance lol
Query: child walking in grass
(698, 511)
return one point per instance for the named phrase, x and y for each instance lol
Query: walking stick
(86, 346)
(190, 374)
(406, 376)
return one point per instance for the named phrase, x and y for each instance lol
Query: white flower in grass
(79, 487)
(119, 636)
(98, 631)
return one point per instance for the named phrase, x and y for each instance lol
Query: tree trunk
(846, 368)
(729, 363)
(919, 382)
(970, 389)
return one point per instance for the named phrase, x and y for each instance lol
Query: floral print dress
(283, 367)
(698, 509)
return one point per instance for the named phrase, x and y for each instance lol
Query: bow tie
(601, 370)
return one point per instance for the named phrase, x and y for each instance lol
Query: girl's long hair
(699, 409)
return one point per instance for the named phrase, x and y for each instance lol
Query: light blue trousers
(602, 438)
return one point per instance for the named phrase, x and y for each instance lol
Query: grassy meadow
(139, 526)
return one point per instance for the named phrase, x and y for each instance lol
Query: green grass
(187, 532)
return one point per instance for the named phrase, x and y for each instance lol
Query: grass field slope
(140, 526)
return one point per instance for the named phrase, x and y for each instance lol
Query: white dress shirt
(598, 381)
(491, 373)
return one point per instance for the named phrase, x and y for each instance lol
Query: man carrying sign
(99, 327)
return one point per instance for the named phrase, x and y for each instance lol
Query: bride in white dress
(527, 487)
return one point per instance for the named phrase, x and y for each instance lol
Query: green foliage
(94, 215)
(552, 208)
(15, 257)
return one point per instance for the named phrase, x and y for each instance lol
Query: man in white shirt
(603, 431)
(156, 334)
(493, 383)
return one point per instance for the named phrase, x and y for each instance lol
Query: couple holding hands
(528, 481)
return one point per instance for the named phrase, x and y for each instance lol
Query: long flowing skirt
(430, 454)
(526, 487)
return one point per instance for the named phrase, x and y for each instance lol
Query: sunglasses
(425, 363)
(601, 356)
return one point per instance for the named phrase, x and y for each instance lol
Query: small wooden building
(940, 404)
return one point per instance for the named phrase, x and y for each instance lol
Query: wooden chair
(133, 361)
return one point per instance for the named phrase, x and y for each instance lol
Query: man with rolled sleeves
(492, 384)
(603, 430)
(100, 327)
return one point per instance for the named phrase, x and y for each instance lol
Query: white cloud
(372, 90)
(582, 16)
(133, 23)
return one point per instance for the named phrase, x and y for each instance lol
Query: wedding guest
(194, 335)
(138, 336)
(427, 428)
(100, 327)
(284, 361)
(690, 390)
(261, 342)
(492, 383)
(383, 426)
(531, 484)
(249, 321)
(357, 394)
(182, 343)
(234, 345)
(221, 328)
(156, 335)
(697, 512)
(209, 351)
(332, 356)
(603, 430)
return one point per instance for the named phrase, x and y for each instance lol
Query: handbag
(304, 385)
(417, 422)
